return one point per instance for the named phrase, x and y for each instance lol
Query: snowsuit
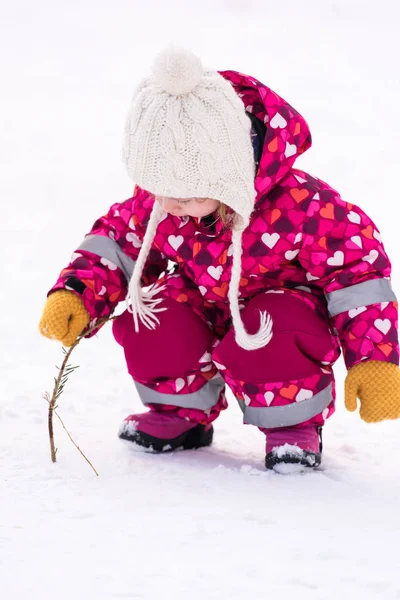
(315, 262)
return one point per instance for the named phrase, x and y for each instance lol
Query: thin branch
(57, 390)
(59, 383)
(76, 445)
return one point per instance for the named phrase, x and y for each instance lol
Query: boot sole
(197, 437)
(311, 460)
(307, 459)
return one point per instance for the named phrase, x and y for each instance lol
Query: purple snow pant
(184, 364)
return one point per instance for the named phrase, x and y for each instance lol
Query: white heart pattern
(203, 290)
(354, 217)
(371, 257)
(337, 259)
(246, 399)
(291, 254)
(383, 325)
(278, 121)
(190, 379)
(290, 150)
(175, 241)
(219, 366)
(206, 357)
(303, 395)
(298, 238)
(310, 277)
(356, 311)
(134, 240)
(270, 239)
(300, 179)
(215, 272)
(179, 384)
(377, 235)
(269, 396)
(356, 240)
(184, 221)
(109, 264)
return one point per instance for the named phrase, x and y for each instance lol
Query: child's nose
(170, 206)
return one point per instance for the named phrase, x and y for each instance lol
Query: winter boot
(300, 446)
(164, 432)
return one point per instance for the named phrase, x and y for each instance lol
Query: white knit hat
(187, 135)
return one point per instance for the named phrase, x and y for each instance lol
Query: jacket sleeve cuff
(369, 333)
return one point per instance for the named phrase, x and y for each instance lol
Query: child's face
(191, 207)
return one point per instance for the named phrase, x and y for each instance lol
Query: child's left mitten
(377, 385)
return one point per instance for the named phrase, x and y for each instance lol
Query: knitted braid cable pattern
(246, 340)
(192, 145)
(144, 304)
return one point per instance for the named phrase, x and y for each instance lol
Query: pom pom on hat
(177, 71)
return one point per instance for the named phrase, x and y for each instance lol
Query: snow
(196, 524)
(287, 449)
(128, 428)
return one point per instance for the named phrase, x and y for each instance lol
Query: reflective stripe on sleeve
(109, 249)
(360, 294)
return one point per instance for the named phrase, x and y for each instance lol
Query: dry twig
(59, 383)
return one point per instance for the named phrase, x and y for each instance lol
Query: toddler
(237, 270)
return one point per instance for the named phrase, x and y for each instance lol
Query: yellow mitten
(377, 385)
(64, 317)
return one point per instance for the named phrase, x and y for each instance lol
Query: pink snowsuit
(315, 262)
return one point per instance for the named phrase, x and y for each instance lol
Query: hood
(287, 133)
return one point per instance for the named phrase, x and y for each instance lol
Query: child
(273, 272)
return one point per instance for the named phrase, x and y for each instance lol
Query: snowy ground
(194, 525)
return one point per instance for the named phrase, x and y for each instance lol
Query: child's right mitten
(64, 317)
